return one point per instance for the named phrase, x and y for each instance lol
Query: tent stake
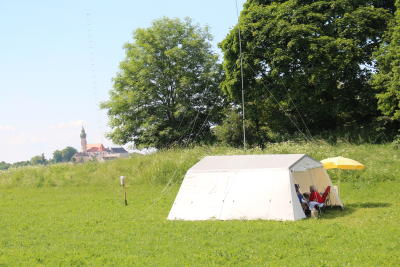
(122, 182)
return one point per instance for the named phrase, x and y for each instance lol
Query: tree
(387, 79)
(67, 153)
(57, 156)
(4, 165)
(64, 155)
(38, 160)
(167, 89)
(230, 132)
(21, 164)
(307, 64)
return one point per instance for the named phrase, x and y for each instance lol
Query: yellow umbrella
(342, 163)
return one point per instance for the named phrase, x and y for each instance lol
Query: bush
(396, 142)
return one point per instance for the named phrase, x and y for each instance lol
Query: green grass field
(73, 215)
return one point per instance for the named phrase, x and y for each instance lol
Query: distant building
(97, 152)
(96, 148)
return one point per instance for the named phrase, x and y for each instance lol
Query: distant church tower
(83, 140)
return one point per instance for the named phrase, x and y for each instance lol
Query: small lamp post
(122, 182)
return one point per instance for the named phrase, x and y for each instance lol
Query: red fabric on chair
(315, 196)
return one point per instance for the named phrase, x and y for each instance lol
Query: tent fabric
(246, 162)
(246, 187)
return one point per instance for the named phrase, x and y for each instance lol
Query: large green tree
(387, 79)
(57, 156)
(64, 155)
(38, 160)
(167, 89)
(307, 63)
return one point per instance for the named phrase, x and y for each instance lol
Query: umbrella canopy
(342, 163)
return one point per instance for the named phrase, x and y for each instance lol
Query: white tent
(249, 187)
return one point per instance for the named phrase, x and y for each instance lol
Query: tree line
(311, 68)
(64, 155)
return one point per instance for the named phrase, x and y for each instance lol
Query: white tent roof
(248, 162)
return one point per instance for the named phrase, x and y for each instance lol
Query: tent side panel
(200, 197)
(262, 194)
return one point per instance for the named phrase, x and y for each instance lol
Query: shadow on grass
(369, 205)
(335, 212)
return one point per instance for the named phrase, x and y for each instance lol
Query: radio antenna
(241, 73)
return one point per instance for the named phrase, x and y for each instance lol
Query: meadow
(73, 215)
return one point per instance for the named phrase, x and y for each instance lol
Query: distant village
(97, 152)
(89, 152)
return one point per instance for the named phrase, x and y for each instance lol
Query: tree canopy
(307, 63)
(167, 90)
(4, 165)
(64, 155)
(38, 160)
(387, 79)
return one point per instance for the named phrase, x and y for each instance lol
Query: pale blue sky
(57, 59)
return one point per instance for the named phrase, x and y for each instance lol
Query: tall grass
(169, 166)
(63, 215)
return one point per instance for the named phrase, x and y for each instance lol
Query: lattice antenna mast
(96, 100)
(241, 73)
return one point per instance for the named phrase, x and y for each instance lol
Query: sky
(58, 58)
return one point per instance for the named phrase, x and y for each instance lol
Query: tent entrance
(319, 178)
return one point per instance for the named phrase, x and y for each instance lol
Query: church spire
(83, 133)
(83, 140)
